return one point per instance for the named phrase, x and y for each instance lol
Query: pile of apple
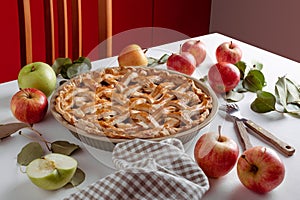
(224, 75)
(36, 81)
(258, 168)
(192, 53)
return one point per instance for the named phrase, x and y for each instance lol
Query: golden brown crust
(132, 102)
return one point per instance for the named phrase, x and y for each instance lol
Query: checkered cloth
(149, 170)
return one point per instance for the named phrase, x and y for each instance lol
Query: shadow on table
(27, 190)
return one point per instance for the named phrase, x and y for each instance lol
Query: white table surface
(14, 183)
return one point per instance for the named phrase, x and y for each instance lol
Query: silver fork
(233, 110)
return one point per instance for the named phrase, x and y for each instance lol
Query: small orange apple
(132, 55)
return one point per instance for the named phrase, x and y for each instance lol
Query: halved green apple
(51, 172)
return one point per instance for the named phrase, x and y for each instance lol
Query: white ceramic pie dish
(107, 144)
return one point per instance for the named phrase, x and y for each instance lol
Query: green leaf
(264, 102)
(84, 60)
(163, 59)
(293, 109)
(69, 69)
(63, 147)
(240, 88)
(281, 91)
(30, 152)
(233, 96)
(151, 61)
(288, 94)
(287, 91)
(258, 66)
(10, 128)
(79, 60)
(242, 67)
(64, 70)
(252, 84)
(78, 177)
(59, 63)
(293, 92)
(76, 69)
(254, 80)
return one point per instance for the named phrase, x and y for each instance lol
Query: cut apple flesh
(40, 168)
(52, 172)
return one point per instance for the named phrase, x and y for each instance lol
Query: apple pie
(132, 102)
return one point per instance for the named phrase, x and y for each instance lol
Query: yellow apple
(132, 55)
(51, 172)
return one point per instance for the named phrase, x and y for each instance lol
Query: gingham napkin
(149, 170)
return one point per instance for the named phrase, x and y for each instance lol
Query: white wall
(273, 25)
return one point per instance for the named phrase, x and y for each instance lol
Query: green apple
(51, 172)
(38, 75)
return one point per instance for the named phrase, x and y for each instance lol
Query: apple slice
(51, 172)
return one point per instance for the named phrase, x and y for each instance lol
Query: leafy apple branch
(287, 92)
(152, 62)
(34, 150)
(68, 68)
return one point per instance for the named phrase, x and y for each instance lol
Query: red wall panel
(89, 26)
(38, 34)
(189, 18)
(128, 19)
(9, 40)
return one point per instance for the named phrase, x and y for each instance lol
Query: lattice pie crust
(132, 102)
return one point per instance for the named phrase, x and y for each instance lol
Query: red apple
(260, 169)
(29, 105)
(216, 154)
(228, 52)
(196, 48)
(183, 62)
(223, 77)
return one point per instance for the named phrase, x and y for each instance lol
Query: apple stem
(41, 137)
(21, 133)
(32, 68)
(230, 46)
(220, 135)
(28, 95)
(254, 168)
(38, 134)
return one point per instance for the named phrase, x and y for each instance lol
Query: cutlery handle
(285, 148)
(243, 134)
